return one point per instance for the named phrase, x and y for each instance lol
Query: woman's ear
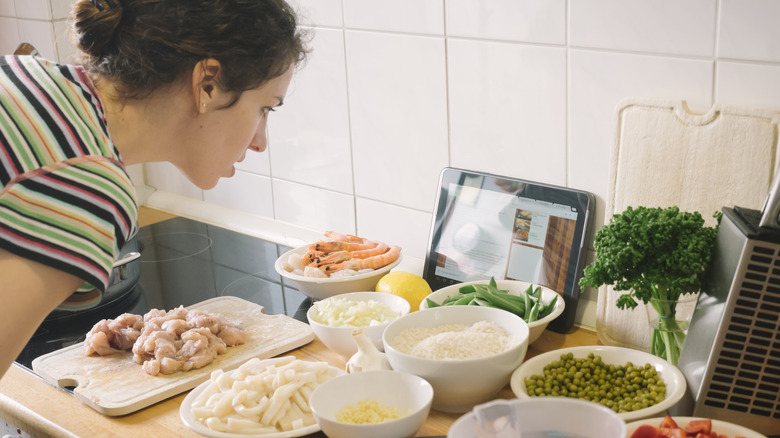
(205, 88)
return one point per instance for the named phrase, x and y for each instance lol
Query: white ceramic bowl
(672, 377)
(409, 394)
(320, 288)
(515, 287)
(721, 427)
(582, 419)
(339, 339)
(460, 384)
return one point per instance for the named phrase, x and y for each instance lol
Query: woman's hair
(142, 45)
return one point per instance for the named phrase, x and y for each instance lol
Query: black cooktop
(183, 262)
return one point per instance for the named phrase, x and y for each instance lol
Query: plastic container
(539, 418)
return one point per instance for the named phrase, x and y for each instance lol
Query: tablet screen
(491, 226)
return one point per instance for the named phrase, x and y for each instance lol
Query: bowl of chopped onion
(334, 319)
(549, 307)
(376, 404)
(467, 353)
(336, 267)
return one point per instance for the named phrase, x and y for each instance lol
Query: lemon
(411, 287)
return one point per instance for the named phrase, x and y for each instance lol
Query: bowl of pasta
(268, 398)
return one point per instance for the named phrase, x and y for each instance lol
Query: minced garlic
(367, 412)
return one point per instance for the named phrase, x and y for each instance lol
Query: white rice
(454, 341)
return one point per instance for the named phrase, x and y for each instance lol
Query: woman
(188, 82)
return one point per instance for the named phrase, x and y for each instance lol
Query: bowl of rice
(376, 404)
(467, 353)
(334, 319)
(291, 266)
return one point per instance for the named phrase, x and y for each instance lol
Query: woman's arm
(28, 293)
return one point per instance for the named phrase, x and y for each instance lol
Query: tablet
(495, 226)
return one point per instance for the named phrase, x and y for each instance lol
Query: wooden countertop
(40, 409)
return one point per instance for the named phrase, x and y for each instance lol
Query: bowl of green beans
(633, 383)
(537, 305)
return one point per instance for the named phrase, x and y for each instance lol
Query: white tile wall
(314, 208)
(319, 12)
(749, 31)
(9, 35)
(244, 191)
(398, 114)
(506, 100)
(396, 90)
(33, 9)
(414, 16)
(310, 144)
(7, 8)
(40, 34)
(659, 26)
(598, 81)
(531, 21)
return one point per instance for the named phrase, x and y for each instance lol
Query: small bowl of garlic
(376, 404)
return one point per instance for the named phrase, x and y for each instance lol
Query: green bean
(548, 308)
(532, 316)
(464, 300)
(528, 305)
(497, 301)
(480, 302)
(467, 289)
(455, 298)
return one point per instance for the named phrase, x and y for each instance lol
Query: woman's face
(221, 137)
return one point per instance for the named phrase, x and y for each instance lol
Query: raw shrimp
(332, 235)
(341, 252)
(341, 246)
(343, 256)
(374, 262)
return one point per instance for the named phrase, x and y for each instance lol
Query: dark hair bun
(95, 23)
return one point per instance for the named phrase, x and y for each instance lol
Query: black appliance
(182, 262)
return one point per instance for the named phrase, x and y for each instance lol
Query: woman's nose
(260, 140)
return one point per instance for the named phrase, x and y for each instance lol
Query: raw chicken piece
(166, 342)
(109, 336)
(200, 348)
(99, 340)
(232, 335)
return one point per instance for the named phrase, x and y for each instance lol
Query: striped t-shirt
(66, 199)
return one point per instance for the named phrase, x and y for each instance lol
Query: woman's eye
(267, 110)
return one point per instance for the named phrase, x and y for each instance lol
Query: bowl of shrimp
(337, 264)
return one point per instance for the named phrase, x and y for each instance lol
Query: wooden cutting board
(664, 154)
(115, 385)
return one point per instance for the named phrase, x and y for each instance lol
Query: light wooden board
(115, 385)
(664, 154)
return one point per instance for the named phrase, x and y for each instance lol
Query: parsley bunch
(652, 254)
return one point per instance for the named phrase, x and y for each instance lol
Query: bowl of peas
(537, 305)
(633, 383)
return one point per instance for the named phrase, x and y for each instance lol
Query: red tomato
(645, 431)
(699, 426)
(672, 432)
(669, 422)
